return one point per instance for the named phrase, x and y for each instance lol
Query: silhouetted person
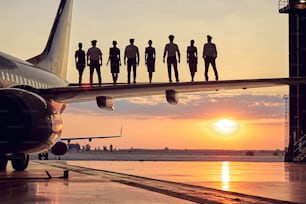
(171, 50)
(80, 61)
(192, 59)
(210, 55)
(150, 60)
(115, 61)
(94, 61)
(131, 53)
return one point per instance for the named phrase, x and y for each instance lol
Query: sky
(252, 42)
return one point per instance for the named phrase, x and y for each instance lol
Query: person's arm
(76, 57)
(146, 56)
(109, 57)
(165, 52)
(87, 59)
(84, 58)
(216, 54)
(196, 54)
(187, 56)
(203, 52)
(178, 54)
(125, 56)
(137, 56)
(119, 58)
(100, 57)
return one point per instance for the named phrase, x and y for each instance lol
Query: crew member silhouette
(210, 55)
(171, 50)
(192, 59)
(115, 61)
(150, 60)
(94, 61)
(131, 53)
(80, 61)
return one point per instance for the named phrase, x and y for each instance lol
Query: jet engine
(28, 122)
(59, 149)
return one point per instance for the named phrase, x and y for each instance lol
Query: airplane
(60, 148)
(34, 94)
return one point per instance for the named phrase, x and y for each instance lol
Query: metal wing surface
(74, 94)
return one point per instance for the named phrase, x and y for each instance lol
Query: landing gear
(20, 161)
(3, 162)
(44, 155)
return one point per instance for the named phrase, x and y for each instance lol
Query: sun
(225, 126)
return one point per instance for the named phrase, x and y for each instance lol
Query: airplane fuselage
(14, 72)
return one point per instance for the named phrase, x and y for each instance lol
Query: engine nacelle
(171, 97)
(28, 123)
(106, 103)
(59, 149)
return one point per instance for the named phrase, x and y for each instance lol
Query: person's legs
(213, 63)
(192, 76)
(176, 72)
(98, 69)
(129, 72)
(116, 77)
(134, 72)
(192, 70)
(206, 69)
(169, 72)
(81, 70)
(150, 77)
(91, 71)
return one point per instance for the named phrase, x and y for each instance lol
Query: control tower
(296, 9)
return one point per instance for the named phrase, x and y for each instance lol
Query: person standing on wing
(209, 56)
(171, 50)
(131, 53)
(150, 60)
(192, 59)
(94, 61)
(80, 62)
(115, 61)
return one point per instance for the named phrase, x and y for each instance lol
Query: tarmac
(56, 182)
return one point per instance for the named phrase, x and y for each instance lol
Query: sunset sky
(252, 42)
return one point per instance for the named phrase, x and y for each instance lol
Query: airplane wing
(105, 93)
(90, 138)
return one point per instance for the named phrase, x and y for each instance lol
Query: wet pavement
(45, 182)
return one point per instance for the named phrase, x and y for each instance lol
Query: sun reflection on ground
(225, 175)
